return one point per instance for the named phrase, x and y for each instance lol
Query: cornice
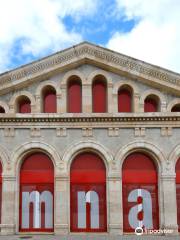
(89, 53)
(95, 122)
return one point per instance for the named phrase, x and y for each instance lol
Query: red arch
(176, 108)
(139, 172)
(49, 100)
(178, 192)
(88, 173)
(74, 95)
(0, 190)
(24, 105)
(124, 100)
(150, 104)
(99, 95)
(36, 174)
(2, 110)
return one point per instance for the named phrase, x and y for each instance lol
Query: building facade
(89, 142)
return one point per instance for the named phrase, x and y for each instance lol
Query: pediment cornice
(89, 53)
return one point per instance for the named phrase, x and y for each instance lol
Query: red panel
(152, 189)
(50, 103)
(2, 110)
(150, 105)
(139, 172)
(88, 173)
(24, 106)
(74, 97)
(178, 192)
(176, 108)
(37, 174)
(99, 96)
(124, 100)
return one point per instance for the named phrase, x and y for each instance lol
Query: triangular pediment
(87, 53)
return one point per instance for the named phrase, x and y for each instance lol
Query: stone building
(89, 142)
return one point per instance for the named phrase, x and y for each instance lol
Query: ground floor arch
(36, 200)
(140, 192)
(88, 209)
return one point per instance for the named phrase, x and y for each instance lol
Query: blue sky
(147, 30)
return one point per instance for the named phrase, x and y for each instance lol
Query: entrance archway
(88, 193)
(140, 193)
(36, 194)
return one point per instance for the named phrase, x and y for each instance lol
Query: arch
(99, 94)
(74, 94)
(29, 147)
(49, 99)
(151, 103)
(5, 158)
(119, 84)
(140, 192)
(92, 146)
(15, 97)
(103, 73)
(145, 147)
(88, 189)
(125, 98)
(5, 106)
(80, 75)
(153, 92)
(173, 157)
(177, 169)
(36, 193)
(173, 103)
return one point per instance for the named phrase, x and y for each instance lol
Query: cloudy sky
(145, 29)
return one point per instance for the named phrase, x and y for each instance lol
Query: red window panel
(2, 110)
(178, 192)
(74, 96)
(124, 100)
(99, 96)
(36, 194)
(49, 100)
(176, 108)
(150, 105)
(24, 105)
(140, 193)
(0, 191)
(88, 178)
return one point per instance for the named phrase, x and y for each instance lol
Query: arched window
(140, 193)
(176, 108)
(74, 95)
(178, 192)
(49, 100)
(23, 105)
(99, 94)
(2, 110)
(88, 193)
(151, 104)
(125, 99)
(36, 193)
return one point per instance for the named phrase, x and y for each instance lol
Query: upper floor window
(151, 104)
(23, 104)
(2, 110)
(125, 99)
(74, 95)
(176, 108)
(99, 94)
(49, 100)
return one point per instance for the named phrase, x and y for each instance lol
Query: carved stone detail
(87, 132)
(113, 132)
(139, 132)
(9, 132)
(35, 132)
(166, 131)
(61, 132)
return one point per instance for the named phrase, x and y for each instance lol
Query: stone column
(86, 98)
(169, 202)
(58, 99)
(137, 106)
(61, 209)
(63, 102)
(8, 205)
(115, 204)
(38, 107)
(110, 103)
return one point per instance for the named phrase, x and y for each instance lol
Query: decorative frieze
(113, 132)
(166, 131)
(61, 132)
(9, 132)
(87, 132)
(35, 132)
(139, 132)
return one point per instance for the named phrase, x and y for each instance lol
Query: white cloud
(156, 36)
(38, 24)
